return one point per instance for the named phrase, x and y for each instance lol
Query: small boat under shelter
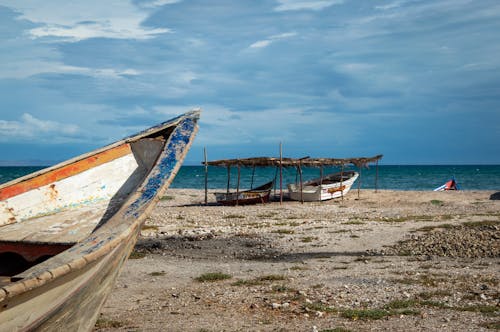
(246, 197)
(323, 188)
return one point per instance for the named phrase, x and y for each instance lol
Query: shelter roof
(293, 162)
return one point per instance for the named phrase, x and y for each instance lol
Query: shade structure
(359, 162)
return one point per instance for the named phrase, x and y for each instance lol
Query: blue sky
(417, 81)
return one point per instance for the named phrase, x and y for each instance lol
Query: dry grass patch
(299, 268)
(495, 325)
(272, 277)
(283, 231)
(436, 293)
(267, 215)
(259, 280)
(234, 216)
(136, 255)
(213, 276)
(318, 306)
(374, 314)
(353, 222)
(105, 323)
(336, 329)
(339, 231)
(428, 280)
(484, 309)
(308, 239)
(398, 219)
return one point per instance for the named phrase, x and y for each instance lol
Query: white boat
(330, 186)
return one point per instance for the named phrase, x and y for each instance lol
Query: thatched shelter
(293, 162)
(297, 163)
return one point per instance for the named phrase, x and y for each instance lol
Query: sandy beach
(391, 260)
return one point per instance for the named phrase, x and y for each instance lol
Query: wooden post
(275, 183)
(341, 180)
(359, 181)
(253, 174)
(281, 174)
(238, 186)
(320, 181)
(301, 193)
(376, 177)
(228, 177)
(206, 175)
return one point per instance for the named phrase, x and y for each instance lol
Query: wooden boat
(320, 189)
(66, 231)
(253, 196)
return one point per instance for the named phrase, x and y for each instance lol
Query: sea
(393, 177)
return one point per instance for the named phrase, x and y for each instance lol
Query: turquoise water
(469, 177)
(397, 177)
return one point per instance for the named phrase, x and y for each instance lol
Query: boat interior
(71, 207)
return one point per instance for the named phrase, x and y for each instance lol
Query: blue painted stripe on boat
(176, 145)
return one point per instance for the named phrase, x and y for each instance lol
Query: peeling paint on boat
(84, 188)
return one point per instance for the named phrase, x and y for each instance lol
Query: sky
(416, 81)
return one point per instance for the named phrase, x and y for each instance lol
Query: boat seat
(31, 241)
(64, 227)
(41, 237)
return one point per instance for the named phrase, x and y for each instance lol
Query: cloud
(286, 5)
(263, 71)
(30, 67)
(224, 127)
(391, 5)
(30, 127)
(79, 31)
(156, 3)
(73, 21)
(271, 39)
(99, 72)
(355, 67)
(261, 43)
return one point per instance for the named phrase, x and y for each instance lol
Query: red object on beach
(450, 185)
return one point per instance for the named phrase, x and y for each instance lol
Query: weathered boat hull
(313, 191)
(247, 197)
(66, 291)
(69, 303)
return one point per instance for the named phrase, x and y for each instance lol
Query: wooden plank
(68, 226)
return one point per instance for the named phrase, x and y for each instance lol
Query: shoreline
(313, 266)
